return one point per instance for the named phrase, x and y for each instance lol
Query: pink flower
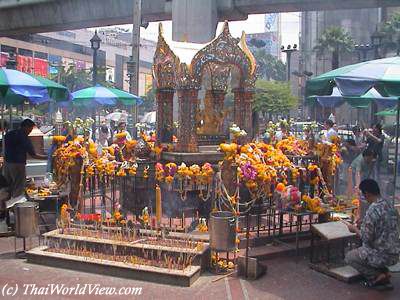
(159, 167)
(248, 171)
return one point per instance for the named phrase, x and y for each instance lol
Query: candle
(158, 204)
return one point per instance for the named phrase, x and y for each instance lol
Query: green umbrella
(336, 99)
(357, 79)
(16, 87)
(387, 112)
(100, 95)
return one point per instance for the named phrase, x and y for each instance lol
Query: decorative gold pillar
(165, 99)
(243, 116)
(187, 130)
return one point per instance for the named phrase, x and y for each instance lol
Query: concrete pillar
(194, 21)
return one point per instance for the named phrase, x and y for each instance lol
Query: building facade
(43, 54)
(360, 24)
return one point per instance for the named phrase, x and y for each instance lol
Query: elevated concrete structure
(34, 16)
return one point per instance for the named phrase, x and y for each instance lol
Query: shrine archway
(223, 54)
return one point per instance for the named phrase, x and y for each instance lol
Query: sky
(290, 27)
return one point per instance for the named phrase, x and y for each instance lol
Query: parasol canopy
(357, 80)
(16, 87)
(336, 99)
(150, 117)
(387, 112)
(117, 116)
(100, 95)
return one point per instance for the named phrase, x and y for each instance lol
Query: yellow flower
(120, 135)
(169, 179)
(121, 172)
(59, 139)
(132, 171)
(130, 145)
(117, 215)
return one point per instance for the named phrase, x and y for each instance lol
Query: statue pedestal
(216, 139)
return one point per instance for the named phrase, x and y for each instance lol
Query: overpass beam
(55, 15)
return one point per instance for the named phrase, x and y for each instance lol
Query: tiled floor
(286, 278)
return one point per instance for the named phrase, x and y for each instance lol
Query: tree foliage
(391, 33)
(273, 97)
(336, 41)
(149, 102)
(75, 79)
(269, 67)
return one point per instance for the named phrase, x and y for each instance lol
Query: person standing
(362, 168)
(331, 134)
(363, 165)
(379, 234)
(122, 129)
(17, 146)
(375, 140)
(103, 135)
(283, 133)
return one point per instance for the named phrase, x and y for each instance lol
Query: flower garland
(193, 177)
(293, 146)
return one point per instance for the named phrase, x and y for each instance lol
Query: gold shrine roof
(223, 53)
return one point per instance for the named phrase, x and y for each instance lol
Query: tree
(75, 79)
(335, 40)
(273, 97)
(391, 34)
(148, 102)
(269, 67)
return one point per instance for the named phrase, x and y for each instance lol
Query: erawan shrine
(203, 194)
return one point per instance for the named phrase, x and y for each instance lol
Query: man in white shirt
(122, 128)
(330, 133)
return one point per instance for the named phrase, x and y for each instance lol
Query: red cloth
(41, 67)
(25, 64)
(3, 59)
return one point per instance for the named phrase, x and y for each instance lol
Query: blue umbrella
(16, 87)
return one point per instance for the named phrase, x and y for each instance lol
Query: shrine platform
(206, 154)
